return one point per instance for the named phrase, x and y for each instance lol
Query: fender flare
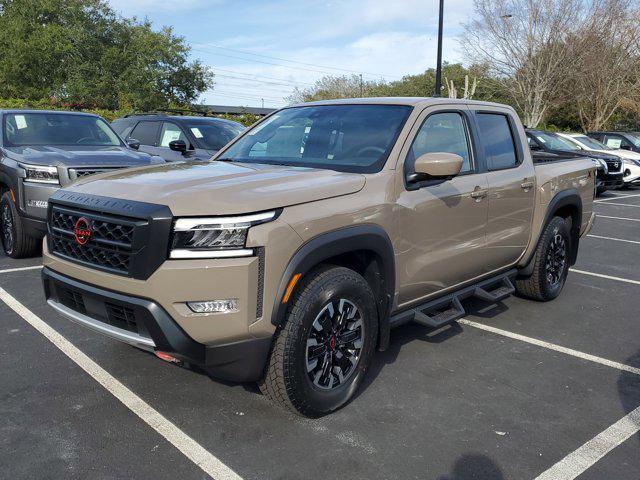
(570, 197)
(338, 242)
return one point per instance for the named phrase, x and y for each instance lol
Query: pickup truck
(40, 151)
(288, 258)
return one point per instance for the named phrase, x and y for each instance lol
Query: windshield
(555, 142)
(214, 135)
(24, 129)
(350, 138)
(591, 143)
(635, 138)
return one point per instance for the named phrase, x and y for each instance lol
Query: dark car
(609, 172)
(40, 151)
(624, 140)
(176, 137)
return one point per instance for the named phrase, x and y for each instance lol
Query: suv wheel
(551, 263)
(322, 352)
(15, 242)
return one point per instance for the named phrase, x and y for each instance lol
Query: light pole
(439, 66)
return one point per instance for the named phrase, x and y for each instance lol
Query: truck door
(442, 222)
(512, 187)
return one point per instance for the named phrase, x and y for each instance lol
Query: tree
(81, 52)
(606, 74)
(523, 42)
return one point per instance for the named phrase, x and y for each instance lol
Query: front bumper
(145, 324)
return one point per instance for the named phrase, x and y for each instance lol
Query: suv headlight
(215, 237)
(41, 174)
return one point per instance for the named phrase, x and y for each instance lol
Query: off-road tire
(537, 286)
(286, 382)
(22, 245)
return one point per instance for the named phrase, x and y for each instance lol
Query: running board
(447, 309)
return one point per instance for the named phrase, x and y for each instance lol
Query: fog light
(214, 306)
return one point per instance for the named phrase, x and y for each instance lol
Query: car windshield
(635, 138)
(555, 142)
(350, 138)
(592, 143)
(24, 129)
(214, 135)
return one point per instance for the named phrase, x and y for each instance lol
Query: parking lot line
(620, 218)
(617, 197)
(614, 239)
(619, 204)
(608, 277)
(185, 444)
(552, 346)
(591, 452)
(21, 269)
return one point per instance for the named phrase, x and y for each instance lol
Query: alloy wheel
(334, 344)
(7, 228)
(556, 259)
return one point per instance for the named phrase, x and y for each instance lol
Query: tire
(292, 380)
(548, 276)
(15, 242)
(600, 190)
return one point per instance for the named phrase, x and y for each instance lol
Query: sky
(261, 50)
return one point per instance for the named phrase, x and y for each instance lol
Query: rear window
(499, 147)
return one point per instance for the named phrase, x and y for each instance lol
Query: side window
(171, 132)
(441, 132)
(499, 147)
(613, 141)
(146, 133)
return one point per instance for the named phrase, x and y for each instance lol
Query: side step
(447, 309)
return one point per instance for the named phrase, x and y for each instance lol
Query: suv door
(146, 132)
(512, 186)
(442, 222)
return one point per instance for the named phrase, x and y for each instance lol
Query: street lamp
(439, 66)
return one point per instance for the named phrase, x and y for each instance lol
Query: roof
(412, 101)
(191, 118)
(33, 110)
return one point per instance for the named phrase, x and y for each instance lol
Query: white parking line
(614, 239)
(21, 269)
(591, 452)
(552, 346)
(620, 204)
(187, 445)
(619, 218)
(608, 277)
(617, 197)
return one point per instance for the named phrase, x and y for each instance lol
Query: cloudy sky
(262, 50)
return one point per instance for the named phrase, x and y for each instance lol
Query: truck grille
(109, 247)
(75, 173)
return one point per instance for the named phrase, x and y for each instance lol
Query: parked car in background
(610, 175)
(40, 151)
(630, 159)
(177, 137)
(623, 140)
(289, 257)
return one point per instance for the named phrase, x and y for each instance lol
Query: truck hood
(80, 156)
(221, 188)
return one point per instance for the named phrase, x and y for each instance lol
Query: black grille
(614, 165)
(121, 317)
(110, 245)
(75, 173)
(73, 300)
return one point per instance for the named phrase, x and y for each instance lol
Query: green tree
(82, 53)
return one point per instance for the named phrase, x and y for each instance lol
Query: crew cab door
(512, 186)
(442, 222)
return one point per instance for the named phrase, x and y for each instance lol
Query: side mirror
(439, 164)
(178, 146)
(535, 148)
(133, 143)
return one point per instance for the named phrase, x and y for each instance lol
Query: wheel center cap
(332, 343)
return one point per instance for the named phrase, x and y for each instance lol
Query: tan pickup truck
(288, 258)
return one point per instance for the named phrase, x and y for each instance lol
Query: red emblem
(82, 231)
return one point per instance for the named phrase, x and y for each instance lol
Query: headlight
(215, 237)
(41, 174)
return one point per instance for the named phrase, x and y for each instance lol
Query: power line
(245, 95)
(263, 76)
(244, 52)
(262, 82)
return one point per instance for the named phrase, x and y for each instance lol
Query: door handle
(526, 185)
(479, 193)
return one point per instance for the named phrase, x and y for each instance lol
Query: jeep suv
(288, 258)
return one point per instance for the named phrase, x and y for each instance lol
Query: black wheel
(322, 353)
(600, 190)
(551, 263)
(15, 242)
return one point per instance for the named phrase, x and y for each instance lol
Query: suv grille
(109, 247)
(614, 165)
